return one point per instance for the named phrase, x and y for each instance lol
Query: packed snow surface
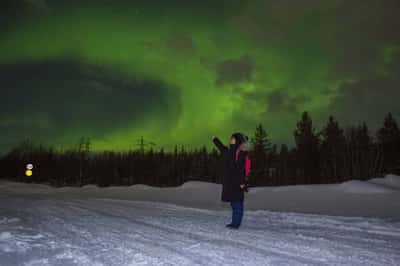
(40, 225)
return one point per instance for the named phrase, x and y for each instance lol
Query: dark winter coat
(234, 172)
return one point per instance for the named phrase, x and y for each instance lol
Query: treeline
(327, 156)
(331, 155)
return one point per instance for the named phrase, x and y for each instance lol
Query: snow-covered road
(48, 230)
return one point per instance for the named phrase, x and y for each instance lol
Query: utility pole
(142, 144)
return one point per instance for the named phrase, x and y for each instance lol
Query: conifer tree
(307, 148)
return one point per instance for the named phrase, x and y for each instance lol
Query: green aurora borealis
(178, 72)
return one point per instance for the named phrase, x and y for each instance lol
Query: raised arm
(221, 147)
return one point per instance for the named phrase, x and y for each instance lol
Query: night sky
(180, 71)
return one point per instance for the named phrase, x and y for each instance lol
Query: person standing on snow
(236, 170)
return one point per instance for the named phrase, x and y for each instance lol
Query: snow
(142, 225)
(390, 181)
(360, 187)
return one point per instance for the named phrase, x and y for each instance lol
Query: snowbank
(362, 187)
(392, 181)
(379, 197)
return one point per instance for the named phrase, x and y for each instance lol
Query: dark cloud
(11, 11)
(370, 99)
(355, 34)
(366, 100)
(271, 22)
(281, 101)
(62, 98)
(14, 13)
(370, 18)
(233, 71)
(182, 43)
(363, 30)
(351, 34)
(39, 4)
(280, 109)
(278, 100)
(287, 11)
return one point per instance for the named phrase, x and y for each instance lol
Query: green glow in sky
(229, 66)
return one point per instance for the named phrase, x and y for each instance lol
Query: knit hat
(240, 138)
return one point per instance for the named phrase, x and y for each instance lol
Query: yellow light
(28, 172)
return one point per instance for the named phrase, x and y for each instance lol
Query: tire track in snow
(187, 236)
(214, 241)
(103, 219)
(306, 250)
